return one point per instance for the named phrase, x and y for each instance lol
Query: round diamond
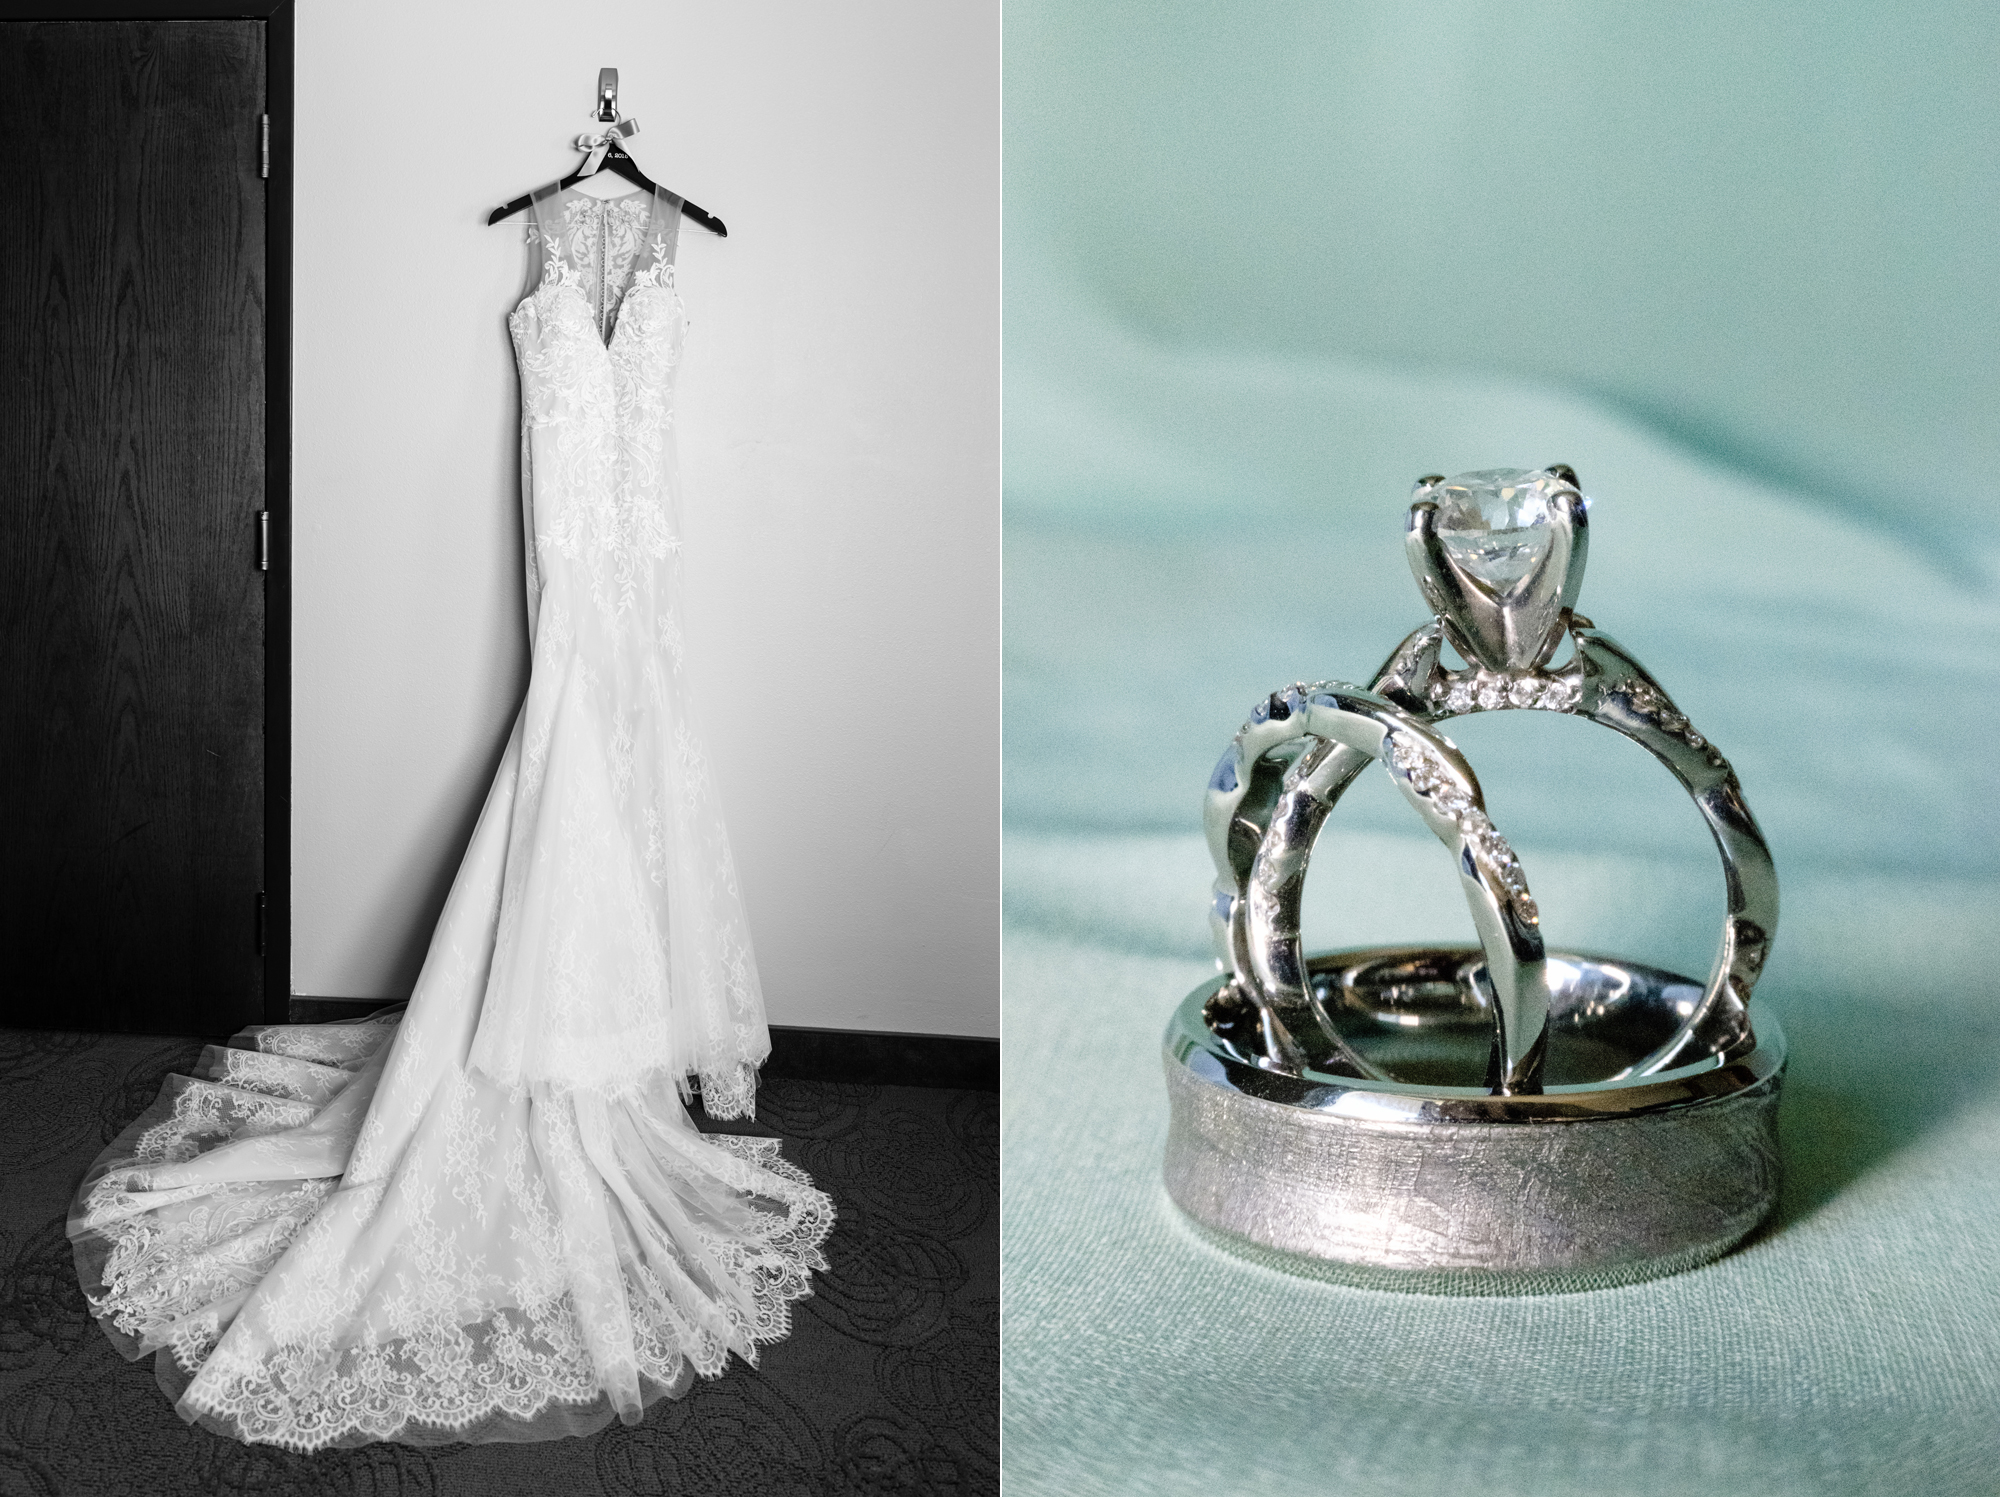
(1492, 693)
(1522, 693)
(1495, 523)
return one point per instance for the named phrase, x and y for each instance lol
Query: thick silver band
(1449, 1188)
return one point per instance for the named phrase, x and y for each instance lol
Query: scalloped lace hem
(321, 1254)
(522, 1373)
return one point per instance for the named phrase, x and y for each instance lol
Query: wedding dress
(489, 1216)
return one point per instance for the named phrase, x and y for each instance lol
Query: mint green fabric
(1737, 265)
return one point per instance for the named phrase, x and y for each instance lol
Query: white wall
(839, 438)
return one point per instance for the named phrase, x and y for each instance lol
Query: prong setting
(1501, 613)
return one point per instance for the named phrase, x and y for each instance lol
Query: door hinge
(260, 922)
(263, 145)
(263, 540)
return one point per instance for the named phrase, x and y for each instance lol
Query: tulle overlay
(490, 1216)
(458, 1260)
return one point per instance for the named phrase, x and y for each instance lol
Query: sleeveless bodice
(598, 341)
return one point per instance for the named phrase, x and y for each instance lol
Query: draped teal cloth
(1736, 264)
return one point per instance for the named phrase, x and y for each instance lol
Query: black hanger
(618, 163)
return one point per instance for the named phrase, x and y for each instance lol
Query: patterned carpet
(888, 1384)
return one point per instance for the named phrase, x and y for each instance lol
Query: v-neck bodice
(598, 341)
(603, 247)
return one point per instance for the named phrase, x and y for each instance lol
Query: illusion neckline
(578, 195)
(631, 284)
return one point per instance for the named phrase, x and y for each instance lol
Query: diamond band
(1489, 691)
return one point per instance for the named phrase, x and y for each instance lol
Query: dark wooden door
(132, 473)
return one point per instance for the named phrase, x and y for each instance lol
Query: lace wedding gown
(489, 1216)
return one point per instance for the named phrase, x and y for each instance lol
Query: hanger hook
(607, 94)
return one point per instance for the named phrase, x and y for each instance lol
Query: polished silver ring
(1265, 802)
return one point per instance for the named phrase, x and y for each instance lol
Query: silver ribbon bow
(602, 141)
